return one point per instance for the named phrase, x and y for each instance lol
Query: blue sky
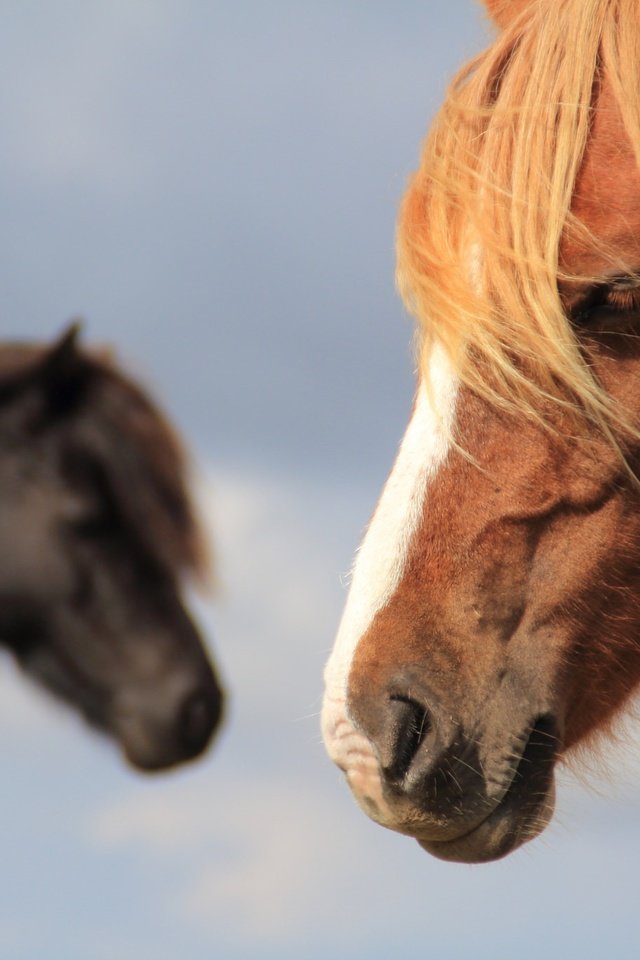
(213, 186)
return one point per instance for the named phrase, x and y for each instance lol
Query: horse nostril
(198, 718)
(409, 723)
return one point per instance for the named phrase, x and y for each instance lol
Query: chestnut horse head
(97, 533)
(493, 621)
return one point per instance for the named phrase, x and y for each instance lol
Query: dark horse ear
(63, 371)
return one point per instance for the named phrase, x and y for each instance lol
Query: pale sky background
(213, 186)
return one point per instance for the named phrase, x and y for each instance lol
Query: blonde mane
(481, 225)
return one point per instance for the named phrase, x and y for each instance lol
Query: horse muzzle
(168, 723)
(468, 793)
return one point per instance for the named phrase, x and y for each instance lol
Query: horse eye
(90, 512)
(618, 296)
(82, 472)
(94, 526)
(623, 298)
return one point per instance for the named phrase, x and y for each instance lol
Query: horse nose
(423, 755)
(406, 725)
(169, 721)
(198, 716)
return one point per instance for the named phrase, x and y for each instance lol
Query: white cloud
(279, 547)
(292, 840)
(257, 850)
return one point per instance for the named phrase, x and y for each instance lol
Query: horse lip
(523, 811)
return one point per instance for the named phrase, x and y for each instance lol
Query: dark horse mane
(141, 452)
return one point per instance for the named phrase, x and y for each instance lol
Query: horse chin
(504, 830)
(469, 824)
(522, 814)
(148, 759)
(143, 749)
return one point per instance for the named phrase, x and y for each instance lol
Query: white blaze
(382, 556)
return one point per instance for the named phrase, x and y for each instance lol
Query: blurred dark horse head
(97, 534)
